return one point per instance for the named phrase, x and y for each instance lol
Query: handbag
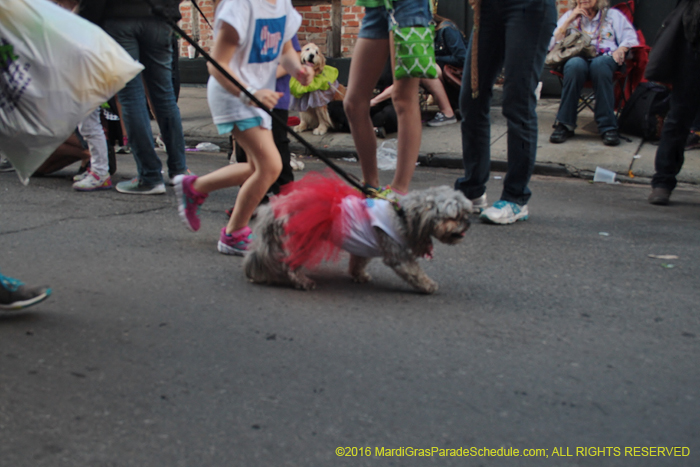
(414, 49)
(576, 44)
(664, 57)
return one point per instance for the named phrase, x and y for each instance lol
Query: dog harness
(360, 217)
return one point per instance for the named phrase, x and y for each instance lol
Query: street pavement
(442, 146)
(560, 333)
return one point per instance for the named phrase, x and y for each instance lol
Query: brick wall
(315, 26)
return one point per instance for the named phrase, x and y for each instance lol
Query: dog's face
(312, 56)
(439, 212)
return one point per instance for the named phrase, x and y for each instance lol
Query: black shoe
(380, 132)
(611, 138)
(561, 134)
(693, 141)
(659, 196)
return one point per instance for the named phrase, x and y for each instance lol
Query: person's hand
(267, 97)
(619, 55)
(305, 75)
(576, 13)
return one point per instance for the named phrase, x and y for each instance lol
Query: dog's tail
(315, 221)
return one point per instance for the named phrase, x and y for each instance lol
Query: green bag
(414, 48)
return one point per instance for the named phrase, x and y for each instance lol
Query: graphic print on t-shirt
(267, 40)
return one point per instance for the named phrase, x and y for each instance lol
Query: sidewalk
(442, 146)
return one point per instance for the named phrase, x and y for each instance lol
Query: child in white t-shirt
(250, 38)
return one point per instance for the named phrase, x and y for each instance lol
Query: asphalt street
(555, 334)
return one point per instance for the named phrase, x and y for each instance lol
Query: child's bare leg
(368, 60)
(225, 177)
(266, 163)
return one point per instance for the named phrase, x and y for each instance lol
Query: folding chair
(587, 97)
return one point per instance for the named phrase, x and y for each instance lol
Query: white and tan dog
(315, 116)
(318, 216)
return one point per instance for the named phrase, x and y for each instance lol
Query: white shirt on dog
(360, 238)
(263, 29)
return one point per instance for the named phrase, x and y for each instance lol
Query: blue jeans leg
(602, 68)
(685, 104)
(148, 41)
(575, 73)
(514, 34)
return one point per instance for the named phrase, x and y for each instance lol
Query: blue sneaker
(505, 212)
(14, 295)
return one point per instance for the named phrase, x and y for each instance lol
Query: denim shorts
(376, 23)
(242, 125)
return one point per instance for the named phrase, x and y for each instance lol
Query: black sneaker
(611, 138)
(14, 295)
(561, 134)
(693, 141)
(440, 120)
(5, 165)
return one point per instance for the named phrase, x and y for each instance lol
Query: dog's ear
(320, 63)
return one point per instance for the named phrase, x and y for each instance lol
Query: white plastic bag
(210, 147)
(55, 68)
(386, 154)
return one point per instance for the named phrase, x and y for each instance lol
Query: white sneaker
(479, 204)
(505, 212)
(93, 182)
(81, 176)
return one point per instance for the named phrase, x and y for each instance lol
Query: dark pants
(685, 103)
(514, 33)
(600, 71)
(148, 40)
(279, 134)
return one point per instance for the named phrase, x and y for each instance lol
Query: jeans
(148, 40)
(685, 103)
(600, 71)
(514, 34)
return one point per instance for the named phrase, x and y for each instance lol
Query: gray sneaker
(440, 120)
(14, 295)
(135, 187)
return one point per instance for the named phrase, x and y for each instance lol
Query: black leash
(200, 12)
(351, 179)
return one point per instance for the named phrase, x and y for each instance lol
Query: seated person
(71, 151)
(612, 35)
(382, 110)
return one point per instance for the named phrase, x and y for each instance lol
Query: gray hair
(600, 4)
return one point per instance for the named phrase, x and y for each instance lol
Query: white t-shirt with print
(361, 216)
(263, 28)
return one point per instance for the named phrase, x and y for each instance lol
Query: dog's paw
(361, 278)
(299, 128)
(320, 131)
(307, 284)
(428, 287)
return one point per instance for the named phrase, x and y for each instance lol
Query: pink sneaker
(188, 200)
(236, 243)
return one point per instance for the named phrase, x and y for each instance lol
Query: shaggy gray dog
(440, 212)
